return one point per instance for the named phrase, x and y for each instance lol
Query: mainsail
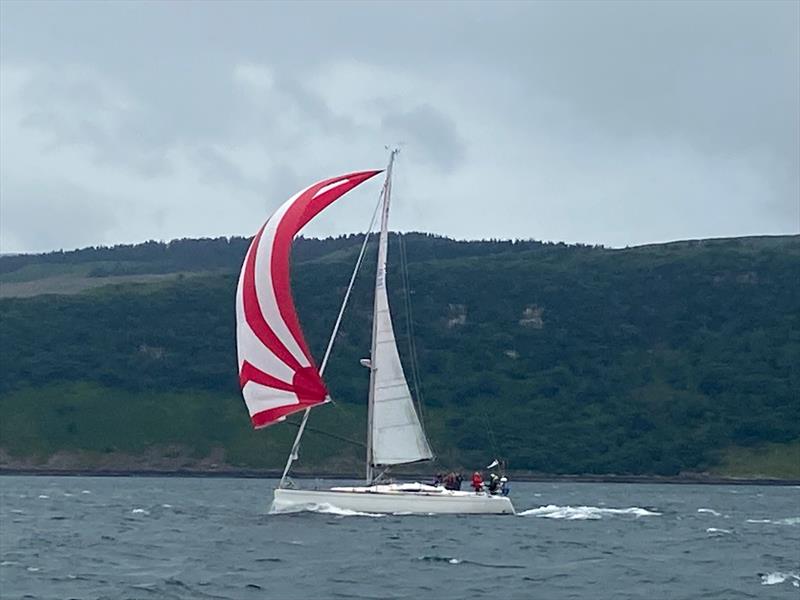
(277, 372)
(396, 436)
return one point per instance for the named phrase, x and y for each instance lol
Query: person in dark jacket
(448, 481)
(453, 481)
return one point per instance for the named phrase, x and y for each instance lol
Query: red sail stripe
(252, 309)
(308, 385)
(305, 208)
(256, 375)
(268, 417)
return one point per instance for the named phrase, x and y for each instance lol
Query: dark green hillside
(565, 359)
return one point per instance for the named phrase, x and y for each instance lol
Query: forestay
(396, 434)
(277, 372)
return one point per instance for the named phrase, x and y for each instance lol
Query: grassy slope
(69, 425)
(185, 426)
(781, 461)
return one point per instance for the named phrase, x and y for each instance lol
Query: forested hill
(659, 359)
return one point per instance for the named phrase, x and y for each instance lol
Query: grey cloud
(215, 168)
(137, 130)
(55, 214)
(548, 100)
(313, 108)
(79, 108)
(432, 133)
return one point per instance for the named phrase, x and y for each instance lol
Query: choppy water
(79, 537)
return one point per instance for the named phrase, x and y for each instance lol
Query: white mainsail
(395, 433)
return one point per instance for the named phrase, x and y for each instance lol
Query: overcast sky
(612, 123)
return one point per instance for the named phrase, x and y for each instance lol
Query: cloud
(615, 123)
(80, 108)
(429, 130)
(56, 214)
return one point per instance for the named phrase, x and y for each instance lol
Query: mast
(380, 280)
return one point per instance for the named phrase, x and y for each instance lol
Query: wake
(323, 508)
(585, 513)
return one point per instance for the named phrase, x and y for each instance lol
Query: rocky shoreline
(685, 479)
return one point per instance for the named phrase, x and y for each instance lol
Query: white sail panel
(396, 435)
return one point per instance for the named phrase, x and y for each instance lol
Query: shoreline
(522, 477)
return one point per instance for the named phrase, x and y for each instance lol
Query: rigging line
(492, 439)
(412, 345)
(359, 260)
(331, 435)
(349, 287)
(409, 318)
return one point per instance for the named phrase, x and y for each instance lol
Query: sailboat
(279, 377)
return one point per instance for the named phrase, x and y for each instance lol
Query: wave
(459, 561)
(583, 513)
(710, 511)
(778, 577)
(443, 559)
(140, 511)
(322, 508)
(717, 530)
(787, 521)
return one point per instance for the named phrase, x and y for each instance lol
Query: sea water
(194, 538)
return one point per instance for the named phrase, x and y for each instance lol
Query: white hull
(407, 498)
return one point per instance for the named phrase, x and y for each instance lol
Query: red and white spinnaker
(277, 373)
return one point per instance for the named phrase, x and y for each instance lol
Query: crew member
(477, 482)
